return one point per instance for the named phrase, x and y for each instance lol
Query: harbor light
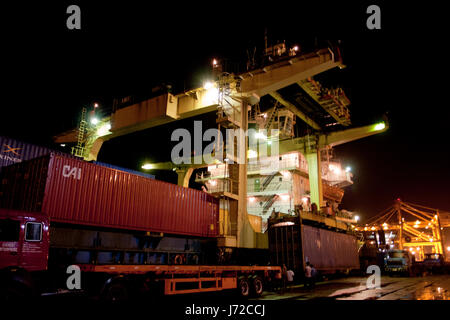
(104, 130)
(147, 166)
(286, 174)
(260, 135)
(208, 85)
(252, 154)
(94, 121)
(380, 126)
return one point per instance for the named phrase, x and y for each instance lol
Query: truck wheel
(243, 287)
(115, 292)
(257, 287)
(15, 292)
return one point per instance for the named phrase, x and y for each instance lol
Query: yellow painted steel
(315, 178)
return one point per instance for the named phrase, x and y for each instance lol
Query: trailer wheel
(257, 287)
(243, 287)
(116, 291)
(15, 292)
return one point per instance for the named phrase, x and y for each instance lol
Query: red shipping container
(78, 192)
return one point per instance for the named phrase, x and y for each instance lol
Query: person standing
(308, 275)
(313, 276)
(290, 278)
(284, 278)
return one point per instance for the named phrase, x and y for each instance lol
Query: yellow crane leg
(315, 178)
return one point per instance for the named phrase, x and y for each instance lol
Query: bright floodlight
(94, 121)
(96, 105)
(147, 166)
(208, 85)
(356, 218)
(348, 169)
(252, 154)
(380, 126)
(260, 135)
(104, 130)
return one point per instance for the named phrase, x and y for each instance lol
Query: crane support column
(441, 236)
(315, 178)
(183, 176)
(400, 222)
(243, 238)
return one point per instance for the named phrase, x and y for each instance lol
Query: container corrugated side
(80, 192)
(15, 151)
(329, 250)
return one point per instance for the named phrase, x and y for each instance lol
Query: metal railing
(271, 187)
(224, 185)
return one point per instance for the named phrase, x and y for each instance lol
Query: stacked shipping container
(78, 192)
(14, 151)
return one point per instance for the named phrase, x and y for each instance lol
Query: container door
(9, 242)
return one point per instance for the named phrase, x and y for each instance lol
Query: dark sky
(48, 73)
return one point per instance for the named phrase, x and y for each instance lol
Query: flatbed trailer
(124, 231)
(184, 279)
(30, 264)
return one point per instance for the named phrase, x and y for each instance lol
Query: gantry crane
(231, 96)
(409, 226)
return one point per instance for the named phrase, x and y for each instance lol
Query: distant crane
(408, 225)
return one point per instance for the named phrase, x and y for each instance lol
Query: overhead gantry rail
(250, 86)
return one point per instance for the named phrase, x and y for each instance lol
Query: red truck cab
(24, 240)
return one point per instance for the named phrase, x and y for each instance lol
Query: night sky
(48, 73)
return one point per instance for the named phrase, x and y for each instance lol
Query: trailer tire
(115, 291)
(15, 291)
(243, 287)
(16, 284)
(257, 287)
